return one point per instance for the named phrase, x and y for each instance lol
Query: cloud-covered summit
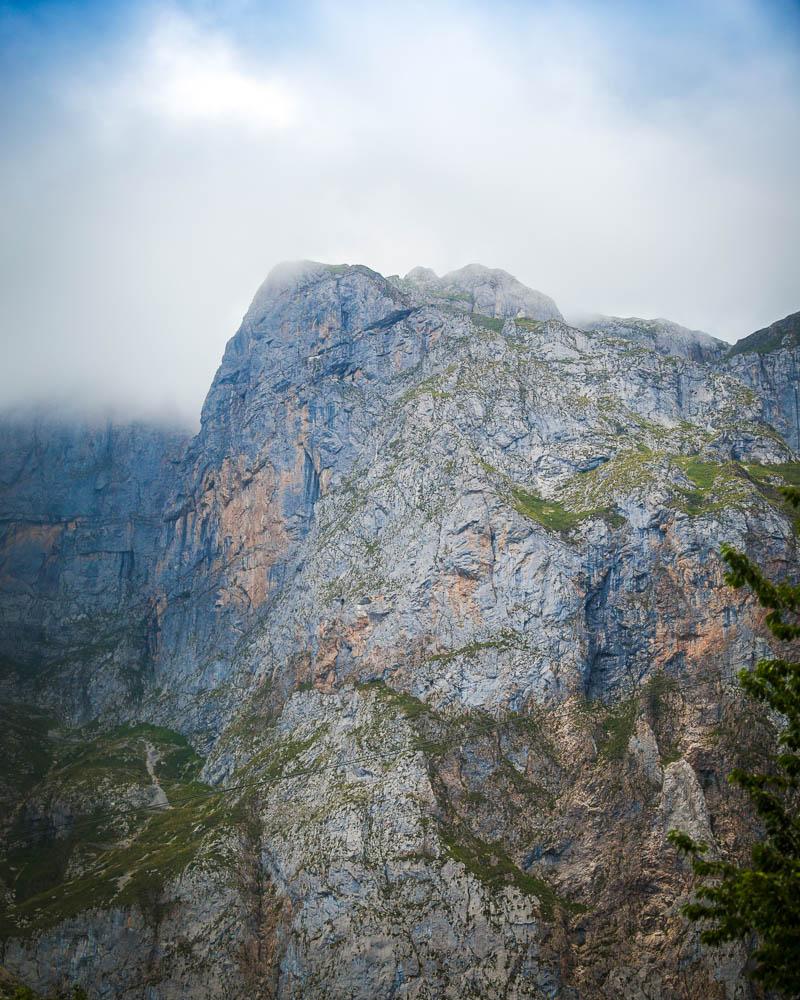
(629, 159)
(485, 290)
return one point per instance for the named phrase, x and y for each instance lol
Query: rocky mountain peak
(423, 276)
(290, 278)
(662, 335)
(768, 362)
(487, 291)
(426, 621)
(785, 333)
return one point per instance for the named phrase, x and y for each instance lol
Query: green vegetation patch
(89, 835)
(12, 988)
(432, 386)
(771, 478)
(659, 694)
(523, 323)
(789, 472)
(487, 322)
(549, 513)
(400, 701)
(703, 474)
(279, 759)
(717, 486)
(769, 339)
(119, 756)
(657, 691)
(554, 515)
(26, 748)
(616, 728)
(628, 472)
(131, 871)
(614, 724)
(504, 640)
(492, 866)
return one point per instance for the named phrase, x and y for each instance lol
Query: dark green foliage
(12, 989)
(25, 747)
(771, 338)
(618, 727)
(762, 897)
(110, 847)
(555, 516)
(657, 692)
(490, 864)
(660, 697)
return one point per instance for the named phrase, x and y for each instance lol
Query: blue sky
(158, 159)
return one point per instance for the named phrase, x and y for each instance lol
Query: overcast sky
(158, 159)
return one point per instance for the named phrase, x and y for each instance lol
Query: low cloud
(190, 76)
(622, 159)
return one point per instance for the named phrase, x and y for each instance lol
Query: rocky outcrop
(435, 592)
(768, 361)
(81, 509)
(774, 379)
(661, 335)
(488, 292)
(781, 335)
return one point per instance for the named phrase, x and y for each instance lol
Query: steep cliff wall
(436, 594)
(81, 513)
(770, 365)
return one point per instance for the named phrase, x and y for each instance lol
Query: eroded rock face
(435, 591)
(477, 289)
(661, 335)
(774, 378)
(81, 514)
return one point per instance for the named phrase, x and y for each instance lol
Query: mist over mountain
(391, 680)
(628, 159)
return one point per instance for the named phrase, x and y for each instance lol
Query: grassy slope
(88, 834)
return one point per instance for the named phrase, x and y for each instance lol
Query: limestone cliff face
(435, 592)
(661, 335)
(81, 513)
(477, 289)
(769, 362)
(775, 380)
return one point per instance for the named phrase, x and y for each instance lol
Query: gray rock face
(115, 953)
(478, 289)
(81, 510)
(661, 335)
(774, 378)
(783, 334)
(436, 592)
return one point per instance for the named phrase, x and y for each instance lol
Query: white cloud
(617, 164)
(190, 76)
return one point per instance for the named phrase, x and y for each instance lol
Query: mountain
(785, 333)
(767, 362)
(661, 335)
(476, 289)
(391, 681)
